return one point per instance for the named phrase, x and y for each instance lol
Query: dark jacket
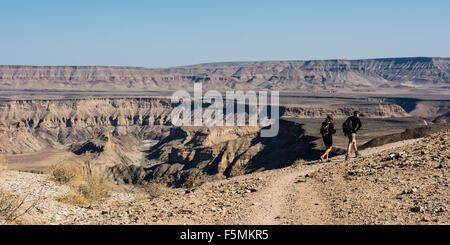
(355, 124)
(331, 129)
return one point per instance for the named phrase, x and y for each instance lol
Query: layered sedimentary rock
(36, 124)
(32, 125)
(443, 118)
(219, 152)
(110, 132)
(319, 75)
(412, 133)
(343, 110)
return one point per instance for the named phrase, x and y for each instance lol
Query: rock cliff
(111, 131)
(332, 76)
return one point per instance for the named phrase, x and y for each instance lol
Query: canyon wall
(31, 125)
(372, 110)
(114, 127)
(190, 153)
(111, 131)
(318, 75)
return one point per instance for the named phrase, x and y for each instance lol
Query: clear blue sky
(172, 33)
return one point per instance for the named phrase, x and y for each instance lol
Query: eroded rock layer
(318, 75)
(111, 131)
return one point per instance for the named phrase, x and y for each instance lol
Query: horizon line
(230, 62)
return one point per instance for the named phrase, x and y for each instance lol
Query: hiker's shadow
(290, 145)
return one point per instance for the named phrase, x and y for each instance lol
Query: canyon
(405, 182)
(116, 120)
(133, 141)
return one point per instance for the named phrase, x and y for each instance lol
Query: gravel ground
(401, 183)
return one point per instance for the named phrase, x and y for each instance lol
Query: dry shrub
(74, 198)
(8, 203)
(12, 207)
(154, 190)
(89, 191)
(95, 189)
(3, 164)
(65, 173)
(195, 180)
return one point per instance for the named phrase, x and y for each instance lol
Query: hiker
(350, 127)
(327, 130)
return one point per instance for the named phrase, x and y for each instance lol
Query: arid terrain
(405, 182)
(393, 76)
(95, 145)
(132, 140)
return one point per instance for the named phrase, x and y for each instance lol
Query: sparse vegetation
(91, 190)
(12, 207)
(64, 173)
(153, 189)
(74, 198)
(87, 189)
(95, 189)
(195, 180)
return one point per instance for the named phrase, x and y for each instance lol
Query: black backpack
(325, 129)
(347, 126)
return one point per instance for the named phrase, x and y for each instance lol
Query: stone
(417, 209)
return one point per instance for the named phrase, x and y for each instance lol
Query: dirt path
(290, 197)
(282, 196)
(287, 199)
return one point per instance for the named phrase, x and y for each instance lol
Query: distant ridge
(381, 75)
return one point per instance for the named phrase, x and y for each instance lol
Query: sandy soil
(42, 160)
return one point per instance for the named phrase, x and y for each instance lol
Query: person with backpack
(327, 130)
(350, 128)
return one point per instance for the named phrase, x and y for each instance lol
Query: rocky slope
(408, 184)
(443, 118)
(431, 110)
(371, 75)
(401, 183)
(378, 188)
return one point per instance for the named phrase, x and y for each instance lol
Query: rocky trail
(290, 199)
(338, 192)
(286, 201)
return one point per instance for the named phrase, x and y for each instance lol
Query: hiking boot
(357, 154)
(346, 157)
